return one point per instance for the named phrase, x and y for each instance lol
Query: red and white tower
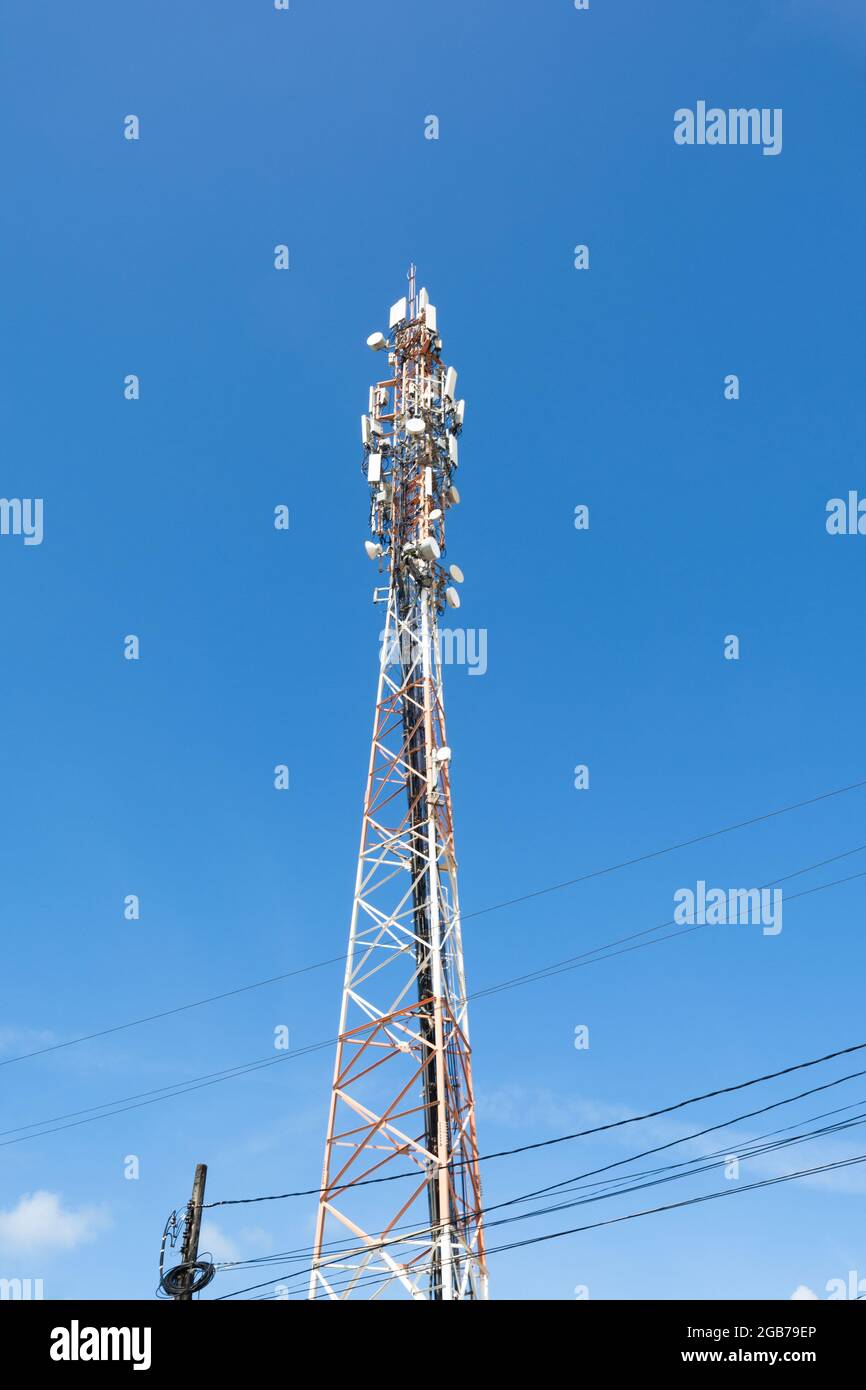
(400, 1206)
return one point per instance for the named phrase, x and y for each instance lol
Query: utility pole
(402, 1103)
(189, 1248)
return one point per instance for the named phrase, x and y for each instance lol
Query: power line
(167, 1013)
(141, 1099)
(698, 1134)
(617, 1220)
(673, 1206)
(667, 1173)
(465, 917)
(749, 1148)
(176, 1089)
(572, 962)
(691, 1201)
(670, 849)
(597, 1129)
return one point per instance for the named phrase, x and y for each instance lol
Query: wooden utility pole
(189, 1249)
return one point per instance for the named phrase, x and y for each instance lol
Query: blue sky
(602, 387)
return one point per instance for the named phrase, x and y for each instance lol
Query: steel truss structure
(400, 1206)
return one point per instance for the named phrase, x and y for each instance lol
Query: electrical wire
(629, 1216)
(142, 1099)
(745, 1149)
(596, 1225)
(560, 967)
(605, 1128)
(750, 1148)
(692, 1201)
(465, 917)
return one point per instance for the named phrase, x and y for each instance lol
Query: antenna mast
(402, 1103)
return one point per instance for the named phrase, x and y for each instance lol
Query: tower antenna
(402, 1101)
(410, 276)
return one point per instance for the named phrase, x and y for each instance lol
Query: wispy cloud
(250, 1240)
(526, 1109)
(40, 1224)
(217, 1243)
(16, 1040)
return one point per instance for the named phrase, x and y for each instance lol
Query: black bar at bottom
(87, 1338)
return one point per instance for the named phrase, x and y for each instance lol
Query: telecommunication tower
(402, 1104)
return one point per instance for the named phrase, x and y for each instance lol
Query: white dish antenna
(373, 550)
(415, 425)
(456, 573)
(376, 342)
(428, 548)
(452, 597)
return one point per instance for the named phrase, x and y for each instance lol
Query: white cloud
(40, 1223)
(802, 1292)
(217, 1243)
(523, 1107)
(519, 1107)
(16, 1040)
(251, 1240)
